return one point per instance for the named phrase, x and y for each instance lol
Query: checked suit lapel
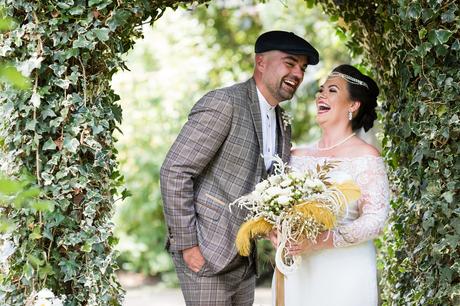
(257, 120)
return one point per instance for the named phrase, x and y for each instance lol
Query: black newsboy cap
(287, 42)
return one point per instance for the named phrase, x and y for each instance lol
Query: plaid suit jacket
(216, 158)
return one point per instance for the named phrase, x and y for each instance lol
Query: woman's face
(333, 103)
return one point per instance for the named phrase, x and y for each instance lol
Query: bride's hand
(323, 241)
(301, 247)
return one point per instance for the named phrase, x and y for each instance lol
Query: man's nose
(298, 72)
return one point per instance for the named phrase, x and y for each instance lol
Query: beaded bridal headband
(348, 78)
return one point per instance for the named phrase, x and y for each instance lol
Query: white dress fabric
(345, 275)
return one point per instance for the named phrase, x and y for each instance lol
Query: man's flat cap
(287, 42)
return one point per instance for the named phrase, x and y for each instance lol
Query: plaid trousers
(233, 286)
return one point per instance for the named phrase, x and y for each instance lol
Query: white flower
(7, 249)
(296, 175)
(43, 302)
(261, 186)
(286, 183)
(45, 297)
(284, 200)
(275, 179)
(314, 185)
(45, 293)
(273, 191)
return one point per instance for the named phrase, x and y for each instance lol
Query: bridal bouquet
(299, 205)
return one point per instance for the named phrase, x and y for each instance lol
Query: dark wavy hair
(367, 96)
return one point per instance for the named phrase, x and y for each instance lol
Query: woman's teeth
(322, 107)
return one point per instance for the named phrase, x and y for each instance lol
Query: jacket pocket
(211, 208)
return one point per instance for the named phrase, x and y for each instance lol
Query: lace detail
(369, 172)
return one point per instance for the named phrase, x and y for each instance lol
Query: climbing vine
(60, 131)
(413, 49)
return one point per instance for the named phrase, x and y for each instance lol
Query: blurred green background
(185, 54)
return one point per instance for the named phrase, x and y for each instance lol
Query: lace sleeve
(373, 204)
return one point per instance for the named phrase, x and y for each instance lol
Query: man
(224, 149)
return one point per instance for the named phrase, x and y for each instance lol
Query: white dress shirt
(268, 129)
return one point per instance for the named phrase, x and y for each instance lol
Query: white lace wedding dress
(345, 275)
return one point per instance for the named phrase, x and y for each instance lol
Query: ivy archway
(61, 131)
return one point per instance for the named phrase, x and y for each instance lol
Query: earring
(350, 115)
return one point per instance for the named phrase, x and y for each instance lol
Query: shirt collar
(264, 105)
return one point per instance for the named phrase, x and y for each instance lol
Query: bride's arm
(374, 207)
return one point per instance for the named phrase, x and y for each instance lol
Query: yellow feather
(350, 190)
(249, 230)
(320, 214)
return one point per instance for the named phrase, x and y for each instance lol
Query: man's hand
(193, 258)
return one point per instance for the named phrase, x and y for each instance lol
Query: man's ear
(260, 62)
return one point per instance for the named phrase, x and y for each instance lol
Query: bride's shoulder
(302, 150)
(361, 148)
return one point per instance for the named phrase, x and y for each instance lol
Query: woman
(340, 269)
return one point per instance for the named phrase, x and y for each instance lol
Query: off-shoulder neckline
(368, 156)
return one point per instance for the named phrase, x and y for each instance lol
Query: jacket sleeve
(201, 137)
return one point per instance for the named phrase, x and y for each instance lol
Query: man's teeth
(292, 83)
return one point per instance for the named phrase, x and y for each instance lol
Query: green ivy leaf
(69, 268)
(30, 125)
(36, 234)
(63, 83)
(449, 16)
(82, 42)
(422, 33)
(437, 37)
(87, 247)
(71, 144)
(34, 260)
(76, 10)
(119, 18)
(49, 145)
(456, 45)
(47, 112)
(27, 271)
(102, 34)
(415, 10)
(448, 196)
(95, 2)
(45, 271)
